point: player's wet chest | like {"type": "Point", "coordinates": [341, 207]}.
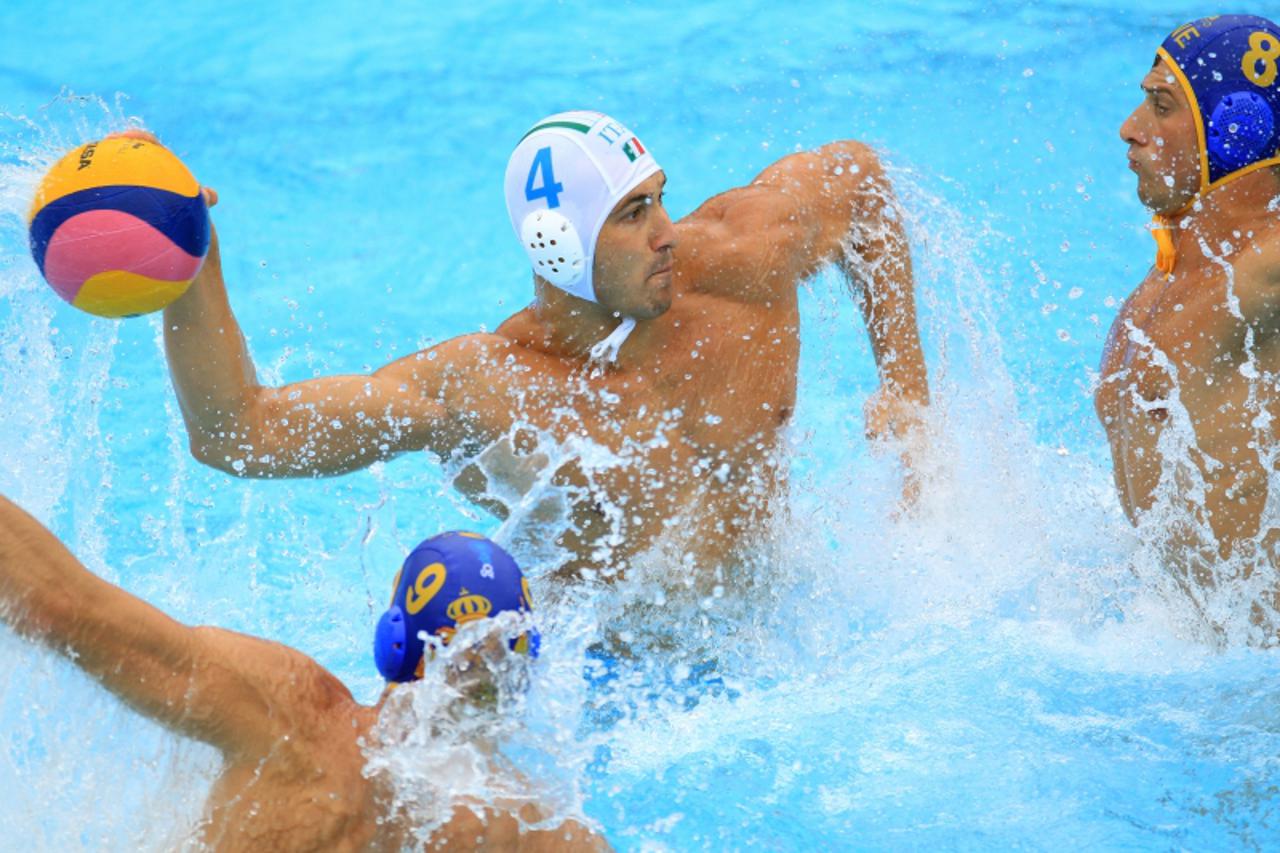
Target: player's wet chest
{"type": "Point", "coordinates": [712, 383]}
{"type": "Point", "coordinates": [731, 377]}
{"type": "Point", "coordinates": [1184, 331]}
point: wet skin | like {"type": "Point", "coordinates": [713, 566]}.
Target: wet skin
{"type": "Point", "coordinates": [690, 414]}
{"type": "Point", "coordinates": [289, 732]}
{"type": "Point", "coordinates": [1207, 334]}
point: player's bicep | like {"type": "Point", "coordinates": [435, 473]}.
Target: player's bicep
{"type": "Point", "coordinates": [751, 243]}
{"type": "Point", "coordinates": [840, 188]}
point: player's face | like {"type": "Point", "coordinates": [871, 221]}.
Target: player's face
{"type": "Point", "coordinates": [633, 261]}
{"type": "Point", "coordinates": [1163, 148]}
{"type": "Point", "coordinates": [473, 672]}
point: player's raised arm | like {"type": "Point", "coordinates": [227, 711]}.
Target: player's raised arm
{"type": "Point", "coordinates": [206, 683]}
{"type": "Point", "coordinates": [843, 187]}
{"type": "Point", "coordinates": [836, 205]}
{"type": "Point", "coordinates": [325, 426]}
{"type": "Point", "coordinates": [322, 426]}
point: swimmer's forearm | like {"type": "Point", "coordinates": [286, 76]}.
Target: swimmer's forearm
{"type": "Point", "coordinates": [889, 312]}
{"type": "Point", "coordinates": [877, 254]}
{"type": "Point", "coordinates": [213, 374]}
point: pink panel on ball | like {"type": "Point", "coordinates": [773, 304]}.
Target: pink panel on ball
{"type": "Point", "coordinates": [104, 240]}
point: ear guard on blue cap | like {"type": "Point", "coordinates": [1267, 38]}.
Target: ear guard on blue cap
{"type": "Point", "coordinates": [1239, 131]}
{"type": "Point", "coordinates": [446, 582]}
{"type": "Point", "coordinates": [389, 646]}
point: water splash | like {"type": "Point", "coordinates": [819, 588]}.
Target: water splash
{"type": "Point", "coordinates": [868, 676]}
{"type": "Point", "coordinates": [460, 737]}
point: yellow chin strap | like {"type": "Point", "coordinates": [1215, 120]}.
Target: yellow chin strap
{"type": "Point", "coordinates": [1166, 254]}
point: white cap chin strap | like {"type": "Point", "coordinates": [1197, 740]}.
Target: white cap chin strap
{"type": "Point", "coordinates": [607, 349]}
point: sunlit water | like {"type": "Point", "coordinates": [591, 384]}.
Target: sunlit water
{"type": "Point", "coordinates": [1005, 667]}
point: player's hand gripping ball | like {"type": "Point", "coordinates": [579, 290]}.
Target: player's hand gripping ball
{"type": "Point", "coordinates": [119, 227]}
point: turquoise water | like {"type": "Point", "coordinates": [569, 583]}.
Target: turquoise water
{"type": "Point", "coordinates": [999, 671]}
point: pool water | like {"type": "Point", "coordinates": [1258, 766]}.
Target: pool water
{"type": "Point", "coordinates": [999, 669]}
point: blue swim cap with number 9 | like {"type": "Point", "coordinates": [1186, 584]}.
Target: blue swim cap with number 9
{"type": "Point", "coordinates": [446, 582]}
{"type": "Point", "coordinates": [564, 177]}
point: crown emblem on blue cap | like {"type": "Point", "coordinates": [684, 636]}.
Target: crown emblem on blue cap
{"type": "Point", "coordinates": [469, 607]}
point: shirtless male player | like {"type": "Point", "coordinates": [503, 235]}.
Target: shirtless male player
{"type": "Point", "coordinates": [672, 347]}
{"type": "Point", "coordinates": [1196, 348]}
{"type": "Point", "coordinates": [294, 773]}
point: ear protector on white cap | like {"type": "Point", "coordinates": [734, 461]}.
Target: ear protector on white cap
{"type": "Point", "coordinates": [553, 246]}
{"type": "Point", "coordinates": [565, 176]}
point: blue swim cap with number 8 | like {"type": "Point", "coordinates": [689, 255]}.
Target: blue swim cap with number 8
{"type": "Point", "coordinates": [1229, 68]}
{"type": "Point", "coordinates": [446, 582]}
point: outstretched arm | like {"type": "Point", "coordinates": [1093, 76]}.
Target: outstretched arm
{"type": "Point", "coordinates": [323, 426]}
{"type": "Point", "coordinates": [217, 686]}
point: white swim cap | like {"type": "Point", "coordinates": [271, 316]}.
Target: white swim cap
{"type": "Point", "coordinates": [563, 179]}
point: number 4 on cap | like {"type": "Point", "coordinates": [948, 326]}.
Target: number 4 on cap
{"type": "Point", "coordinates": [550, 190]}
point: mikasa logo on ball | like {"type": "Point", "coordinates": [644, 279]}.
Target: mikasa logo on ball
{"type": "Point", "coordinates": [86, 156]}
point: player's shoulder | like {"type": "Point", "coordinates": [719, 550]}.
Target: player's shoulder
{"type": "Point", "coordinates": [844, 157]}
{"type": "Point", "coordinates": [795, 186]}
{"type": "Point", "coordinates": [254, 682]}
{"type": "Point", "coordinates": [832, 172]}
{"type": "Point", "coordinates": [479, 346]}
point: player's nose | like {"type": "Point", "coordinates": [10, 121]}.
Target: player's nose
{"type": "Point", "coordinates": [664, 235]}
{"type": "Point", "coordinates": [1131, 130]}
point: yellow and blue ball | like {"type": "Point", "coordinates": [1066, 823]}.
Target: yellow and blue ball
{"type": "Point", "coordinates": [119, 227]}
